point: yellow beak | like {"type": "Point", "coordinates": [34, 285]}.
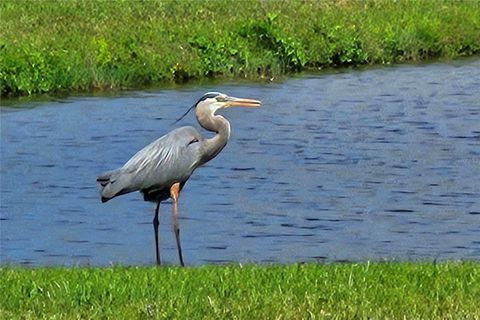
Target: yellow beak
{"type": "Point", "coordinates": [241, 102]}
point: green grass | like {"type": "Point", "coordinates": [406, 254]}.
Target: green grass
{"type": "Point", "coordinates": [447, 290]}
{"type": "Point", "coordinates": [52, 46]}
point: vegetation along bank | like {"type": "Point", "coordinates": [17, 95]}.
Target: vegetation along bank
{"type": "Point", "coordinates": [82, 45]}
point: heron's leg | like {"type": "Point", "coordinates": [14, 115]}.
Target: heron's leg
{"type": "Point", "coordinates": [155, 230]}
{"type": "Point", "coordinates": [174, 192]}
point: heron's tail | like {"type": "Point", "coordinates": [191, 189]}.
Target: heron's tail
{"type": "Point", "coordinates": [113, 183]}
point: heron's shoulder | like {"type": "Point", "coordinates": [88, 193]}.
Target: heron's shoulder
{"type": "Point", "coordinates": [183, 135]}
{"type": "Point", "coordinates": [183, 130]}
{"type": "Point", "coordinates": [164, 148]}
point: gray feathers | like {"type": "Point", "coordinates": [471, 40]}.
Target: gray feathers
{"type": "Point", "coordinates": [172, 158]}
{"type": "Point", "coordinates": [169, 159]}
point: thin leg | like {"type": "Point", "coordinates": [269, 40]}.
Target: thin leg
{"type": "Point", "coordinates": [155, 230]}
{"type": "Point", "coordinates": [174, 192]}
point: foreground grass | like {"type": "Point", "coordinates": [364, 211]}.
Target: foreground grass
{"type": "Point", "coordinates": [60, 45]}
{"type": "Point", "coordinates": [332, 291]}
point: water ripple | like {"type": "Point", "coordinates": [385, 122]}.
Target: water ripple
{"type": "Point", "coordinates": [330, 168]}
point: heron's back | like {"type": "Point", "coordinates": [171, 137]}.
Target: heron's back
{"type": "Point", "coordinates": [169, 159]}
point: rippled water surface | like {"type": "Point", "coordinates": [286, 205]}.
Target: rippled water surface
{"type": "Point", "coordinates": [375, 164]}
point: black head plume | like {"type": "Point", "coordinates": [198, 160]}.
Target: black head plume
{"type": "Point", "coordinates": [207, 95]}
{"type": "Point", "coordinates": [183, 116]}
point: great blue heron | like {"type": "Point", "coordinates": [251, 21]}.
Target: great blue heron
{"type": "Point", "coordinates": [159, 171]}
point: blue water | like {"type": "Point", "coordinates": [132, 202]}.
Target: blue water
{"type": "Point", "coordinates": [355, 165]}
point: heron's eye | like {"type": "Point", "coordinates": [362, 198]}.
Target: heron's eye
{"type": "Point", "coordinates": [221, 99]}
{"type": "Point", "coordinates": [193, 140]}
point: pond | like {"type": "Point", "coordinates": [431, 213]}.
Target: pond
{"type": "Point", "coordinates": [348, 165]}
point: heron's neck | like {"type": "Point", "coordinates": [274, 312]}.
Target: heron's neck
{"type": "Point", "coordinates": [214, 123]}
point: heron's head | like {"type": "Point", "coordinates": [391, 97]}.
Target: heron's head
{"type": "Point", "coordinates": [212, 101]}
{"type": "Point", "coordinates": [216, 100]}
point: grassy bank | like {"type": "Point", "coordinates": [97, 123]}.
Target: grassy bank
{"type": "Point", "coordinates": [332, 291]}
{"type": "Point", "coordinates": [48, 46]}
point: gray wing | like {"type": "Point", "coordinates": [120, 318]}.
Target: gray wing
{"type": "Point", "coordinates": [169, 159]}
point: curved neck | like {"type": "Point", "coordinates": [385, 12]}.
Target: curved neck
{"type": "Point", "coordinates": [215, 123]}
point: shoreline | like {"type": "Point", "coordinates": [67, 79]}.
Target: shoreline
{"type": "Point", "coordinates": [84, 46]}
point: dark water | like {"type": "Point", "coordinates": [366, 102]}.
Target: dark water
{"type": "Point", "coordinates": [376, 164]}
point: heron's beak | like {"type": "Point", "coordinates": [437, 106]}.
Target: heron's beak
{"type": "Point", "coordinates": [241, 102]}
